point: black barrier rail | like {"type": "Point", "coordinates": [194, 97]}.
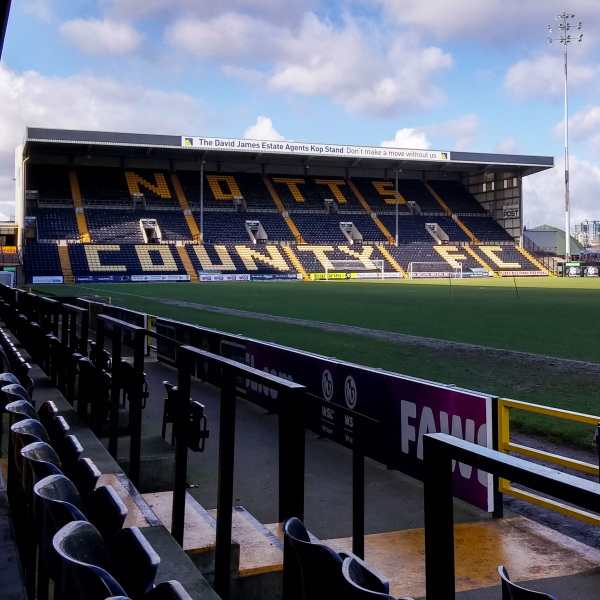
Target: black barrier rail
{"type": "Point", "coordinates": [291, 450]}
{"type": "Point", "coordinates": [137, 341]}
{"type": "Point", "coordinates": [291, 405]}
{"type": "Point", "coordinates": [439, 450]}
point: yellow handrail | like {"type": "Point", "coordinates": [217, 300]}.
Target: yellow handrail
{"type": "Point", "coordinates": [505, 446]}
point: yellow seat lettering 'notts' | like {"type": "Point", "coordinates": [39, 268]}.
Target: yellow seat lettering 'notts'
{"type": "Point", "coordinates": [389, 194]}
{"type": "Point", "coordinates": [215, 185]}
{"type": "Point", "coordinates": [92, 254]}
{"type": "Point", "coordinates": [319, 252]}
{"type": "Point", "coordinates": [160, 189]}
{"type": "Point", "coordinates": [293, 185]}
{"type": "Point", "coordinates": [334, 186]}
{"type": "Point", "coordinates": [490, 252]}
{"type": "Point", "coordinates": [274, 259]}
{"type": "Point", "coordinates": [145, 256]}
{"type": "Point", "coordinates": [446, 252]}
{"type": "Point", "coordinates": [207, 263]}
{"type": "Point", "coordinates": [363, 256]}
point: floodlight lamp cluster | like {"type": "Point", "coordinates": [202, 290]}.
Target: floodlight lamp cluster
{"type": "Point", "coordinates": [564, 28]}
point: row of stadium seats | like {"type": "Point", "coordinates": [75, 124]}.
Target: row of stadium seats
{"type": "Point", "coordinates": [142, 259]}
{"type": "Point", "coordinates": [123, 226]}
{"type": "Point", "coordinates": [298, 194]}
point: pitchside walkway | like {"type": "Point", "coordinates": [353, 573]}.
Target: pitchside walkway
{"type": "Point", "coordinates": [394, 517]}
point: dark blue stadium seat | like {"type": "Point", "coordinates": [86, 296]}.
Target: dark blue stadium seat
{"type": "Point", "coordinates": [456, 197]}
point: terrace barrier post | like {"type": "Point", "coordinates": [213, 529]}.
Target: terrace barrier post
{"type": "Point", "coordinates": [225, 484]}
{"type": "Point", "coordinates": [115, 391]}
{"type": "Point", "coordinates": [180, 425]}
{"type": "Point", "coordinates": [96, 392]}
{"type": "Point", "coordinates": [135, 406]}
{"type": "Point", "coordinates": [291, 454]}
{"type": "Point", "coordinates": [439, 523]}
{"type": "Point", "coordinates": [498, 512]}
{"type": "Point", "coordinates": [358, 490]}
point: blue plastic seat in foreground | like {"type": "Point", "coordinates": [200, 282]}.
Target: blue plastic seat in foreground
{"type": "Point", "coordinates": [47, 412]}
{"type": "Point", "coordinates": [320, 566]}
{"type": "Point", "coordinates": [362, 582]}
{"type": "Point", "coordinates": [136, 562]}
{"type": "Point", "coordinates": [106, 511]}
{"type": "Point", "coordinates": [39, 461]}
{"type": "Point", "coordinates": [83, 552]}
{"type": "Point", "coordinates": [168, 590]}
{"type": "Point", "coordinates": [14, 391]}
{"type": "Point", "coordinates": [62, 505]}
{"type": "Point", "coordinates": [26, 432]}
{"type": "Point", "coordinates": [84, 474]}
{"type": "Point", "coordinates": [511, 591]}
{"type": "Point", "coordinates": [21, 409]}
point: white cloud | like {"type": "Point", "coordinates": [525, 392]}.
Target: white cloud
{"type": "Point", "coordinates": [544, 194]}
{"type": "Point", "coordinates": [409, 137]}
{"type": "Point", "coordinates": [487, 21]}
{"type": "Point", "coordinates": [39, 8]}
{"type": "Point", "coordinates": [263, 130]}
{"type": "Point", "coordinates": [348, 64]}
{"type": "Point", "coordinates": [84, 102]}
{"type": "Point", "coordinates": [229, 36]}
{"type": "Point", "coordinates": [100, 38]}
{"type": "Point", "coordinates": [584, 126]}
{"type": "Point", "coordinates": [463, 131]}
{"type": "Point", "coordinates": [272, 10]}
{"type": "Point", "coordinates": [507, 146]}
{"type": "Point", "coordinates": [543, 78]}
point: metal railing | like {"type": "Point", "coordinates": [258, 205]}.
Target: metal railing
{"type": "Point", "coordinates": [505, 446]}
{"type": "Point", "coordinates": [439, 451]}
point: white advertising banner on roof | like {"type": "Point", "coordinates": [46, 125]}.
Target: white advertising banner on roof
{"type": "Point", "coordinates": [264, 146]}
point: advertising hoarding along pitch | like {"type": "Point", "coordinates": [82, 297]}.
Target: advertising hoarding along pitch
{"type": "Point", "coordinates": [306, 149]}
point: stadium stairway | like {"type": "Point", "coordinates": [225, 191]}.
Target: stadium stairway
{"type": "Point", "coordinates": [366, 206]}
{"type": "Point", "coordinates": [65, 264]}
{"type": "Point", "coordinates": [391, 260]}
{"type": "Point", "coordinates": [299, 239]}
{"type": "Point", "coordinates": [478, 258]}
{"type": "Point", "coordinates": [185, 207]}
{"type": "Point", "coordinates": [257, 553]}
{"type": "Point", "coordinates": [538, 264]}
{"type": "Point", "coordinates": [187, 264]}
{"type": "Point", "coordinates": [473, 239]}
{"type": "Point", "coordinates": [84, 234]}
{"type": "Point", "coordinates": [296, 263]}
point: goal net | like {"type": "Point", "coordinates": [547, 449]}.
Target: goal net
{"type": "Point", "coordinates": [354, 269]}
{"type": "Point", "coordinates": [434, 270]}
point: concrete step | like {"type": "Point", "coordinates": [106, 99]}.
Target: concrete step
{"type": "Point", "coordinates": [257, 552]}
{"type": "Point", "coordinates": [261, 551]}
{"type": "Point", "coordinates": [199, 534]}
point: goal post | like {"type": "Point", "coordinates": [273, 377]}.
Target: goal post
{"type": "Point", "coordinates": [434, 270]}
{"type": "Point", "coordinates": [363, 269]}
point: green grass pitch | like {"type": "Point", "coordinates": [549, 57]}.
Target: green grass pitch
{"type": "Point", "coordinates": [554, 317]}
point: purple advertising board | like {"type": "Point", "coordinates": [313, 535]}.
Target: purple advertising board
{"type": "Point", "coordinates": [400, 411]}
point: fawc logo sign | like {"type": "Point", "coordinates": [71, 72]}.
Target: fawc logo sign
{"type": "Point", "coordinates": [327, 384]}
{"type": "Point", "coordinates": [350, 392]}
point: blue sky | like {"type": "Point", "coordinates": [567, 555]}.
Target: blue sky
{"type": "Point", "coordinates": [469, 75]}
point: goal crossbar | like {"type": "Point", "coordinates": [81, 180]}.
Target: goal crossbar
{"type": "Point", "coordinates": [434, 270]}
{"type": "Point", "coordinates": [352, 266]}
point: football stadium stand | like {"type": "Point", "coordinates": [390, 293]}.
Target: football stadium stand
{"type": "Point", "coordinates": [137, 218]}
{"type": "Point", "coordinates": [117, 217]}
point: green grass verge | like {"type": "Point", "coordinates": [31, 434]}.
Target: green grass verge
{"type": "Point", "coordinates": [539, 385]}
{"type": "Point", "coordinates": [551, 316]}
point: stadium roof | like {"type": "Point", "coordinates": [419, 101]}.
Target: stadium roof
{"type": "Point", "coordinates": [194, 148]}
